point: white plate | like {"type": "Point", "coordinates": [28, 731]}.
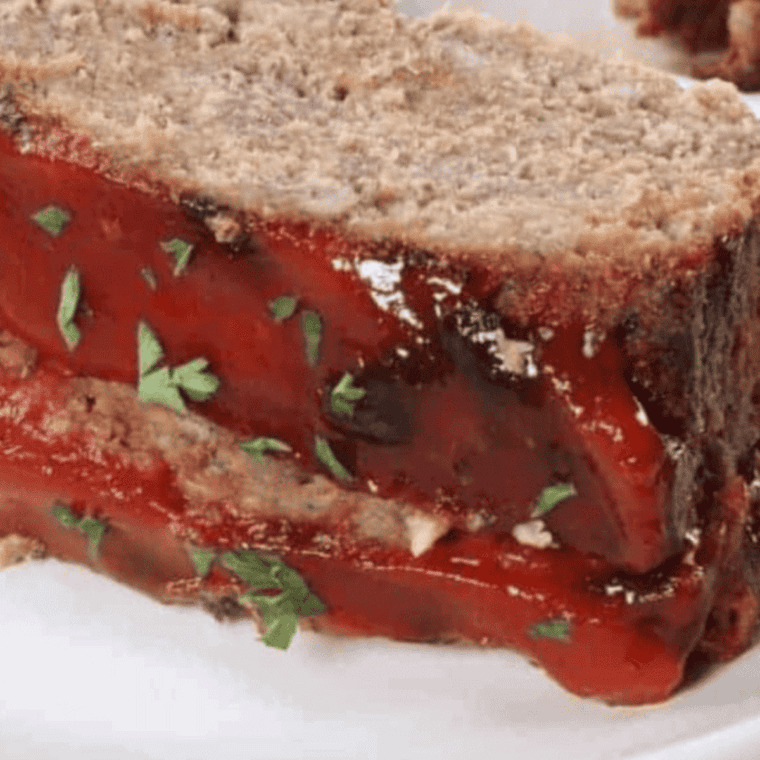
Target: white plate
{"type": "Point", "coordinates": [92, 670]}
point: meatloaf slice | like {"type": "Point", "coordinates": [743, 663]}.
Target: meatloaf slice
{"type": "Point", "coordinates": [431, 329]}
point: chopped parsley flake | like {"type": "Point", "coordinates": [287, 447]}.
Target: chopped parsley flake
{"type": "Point", "coordinates": [326, 456]}
{"type": "Point", "coordinates": [202, 559]}
{"type": "Point", "coordinates": [181, 251]}
{"type": "Point", "coordinates": [552, 496]}
{"type": "Point", "coordinates": [257, 446]}
{"type": "Point", "coordinates": [92, 528]}
{"type": "Point", "coordinates": [345, 395]}
{"type": "Point", "coordinates": [67, 307]}
{"type": "Point", "coordinates": [65, 516]}
{"type": "Point", "coordinates": [280, 613]}
{"type": "Point", "coordinates": [194, 380]}
{"type": "Point", "coordinates": [283, 307]}
{"type": "Point", "coordinates": [162, 385]}
{"type": "Point", "coordinates": [312, 330]}
{"type": "Point", "coordinates": [551, 629]}
{"type": "Point", "coordinates": [149, 350]}
{"type": "Point", "coordinates": [157, 386]}
{"type": "Point", "coordinates": [53, 219]}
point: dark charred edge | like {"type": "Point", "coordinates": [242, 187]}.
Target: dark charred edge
{"type": "Point", "coordinates": [12, 120]}
{"type": "Point", "coordinates": [199, 207]}
{"type": "Point", "coordinates": [724, 429]}
{"type": "Point", "coordinates": [721, 429]}
{"type": "Point", "coordinates": [10, 116]}
{"type": "Point", "coordinates": [724, 329]}
{"type": "Point", "coordinates": [706, 361]}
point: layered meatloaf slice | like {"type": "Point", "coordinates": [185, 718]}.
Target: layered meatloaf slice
{"type": "Point", "coordinates": [430, 329]}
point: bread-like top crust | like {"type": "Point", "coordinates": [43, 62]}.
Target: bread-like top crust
{"type": "Point", "coordinates": [453, 132]}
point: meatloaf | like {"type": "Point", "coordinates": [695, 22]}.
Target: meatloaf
{"type": "Point", "coordinates": [433, 329]}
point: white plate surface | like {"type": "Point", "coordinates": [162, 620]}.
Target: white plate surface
{"type": "Point", "coordinates": [92, 670]}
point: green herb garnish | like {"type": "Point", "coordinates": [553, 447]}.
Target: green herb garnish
{"type": "Point", "coordinates": [326, 456]}
{"type": "Point", "coordinates": [65, 516]}
{"type": "Point", "coordinates": [551, 496]}
{"type": "Point", "coordinates": [551, 629]}
{"type": "Point", "coordinates": [345, 395]}
{"type": "Point", "coordinates": [92, 528]}
{"type": "Point", "coordinates": [181, 251]}
{"type": "Point", "coordinates": [67, 308]}
{"type": "Point", "coordinates": [280, 613]}
{"type": "Point", "coordinates": [202, 559]}
{"type": "Point", "coordinates": [283, 307]}
{"type": "Point", "coordinates": [162, 385]}
{"type": "Point", "coordinates": [257, 446]}
{"type": "Point", "coordinates": [194, 380]}
{"type": "Point", "coordinates": [149, 351]}
{"type": "Point", "coordinates": [53, 219]}
{"type": "Point", "coordinates": [312, 330]}
{"type": "Point", "coordinates": [157, 386]}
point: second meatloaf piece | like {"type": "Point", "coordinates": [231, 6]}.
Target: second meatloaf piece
{"type": "Point", "coordinates": [730, 26]}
